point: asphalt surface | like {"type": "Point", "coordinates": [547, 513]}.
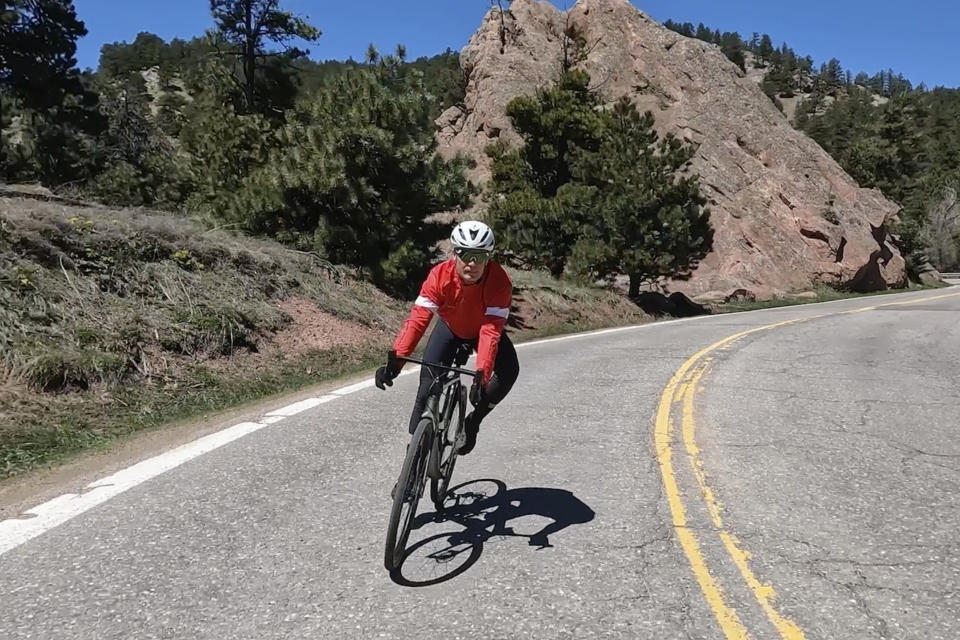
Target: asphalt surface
{"type": "Point", "coordinates": [829, 446]}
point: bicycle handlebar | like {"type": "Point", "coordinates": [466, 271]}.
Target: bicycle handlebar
{"type": "Point", "coordinates": [477, 374]}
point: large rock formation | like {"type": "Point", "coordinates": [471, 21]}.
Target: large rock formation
{"type": "Point", "coordinates": [785, 214]}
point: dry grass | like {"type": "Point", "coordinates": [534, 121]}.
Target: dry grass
{"type": "Point", "coordinates": [115, 320]}
{"type": "Point", "coordinates": [544, 306]}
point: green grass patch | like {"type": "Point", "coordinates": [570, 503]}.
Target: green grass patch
{"type": "Point", "coordinates": [60, 425]}
{"type": "Point", "coordinates": [56, 369]}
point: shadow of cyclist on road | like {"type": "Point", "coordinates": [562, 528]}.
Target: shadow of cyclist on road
{"type": "Point", "coordinates": [484, 515]}
{"type": "Point", "coordinates": [493, 514]}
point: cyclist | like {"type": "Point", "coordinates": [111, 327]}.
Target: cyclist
{"type": "Point", "coordinates": [471, 294]}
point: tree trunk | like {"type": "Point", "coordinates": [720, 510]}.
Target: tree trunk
{"type": "Point", "coordinates": [249, 55]}
{"type": "Point", "coordinates": [556, 268]}
{"type": "Point", "coordinates": [634, 290]}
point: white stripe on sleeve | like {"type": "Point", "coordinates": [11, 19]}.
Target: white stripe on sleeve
{"type": "Point", "coordinates": [498, 311]}
{"type": "Point", "coordinates": [423, 301]}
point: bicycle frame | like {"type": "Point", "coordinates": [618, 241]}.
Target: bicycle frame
{"type": "Point", "coordinates": [444, 379]}
{"type": "Point", "coordinates": [446, 384]}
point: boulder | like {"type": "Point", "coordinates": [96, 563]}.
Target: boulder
{"type": "Point", "coordinates": [676, 304]}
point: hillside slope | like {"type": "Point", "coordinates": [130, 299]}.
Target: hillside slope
{"type": "Point", "coordinates": [114, 320]}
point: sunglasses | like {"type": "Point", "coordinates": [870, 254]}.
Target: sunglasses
{"type": "Point", "coordinates": [472, 256]}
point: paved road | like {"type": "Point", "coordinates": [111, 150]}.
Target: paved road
{"type": "Point", "coordinates": [799, 481]}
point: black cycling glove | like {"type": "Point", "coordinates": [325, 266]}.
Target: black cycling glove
{"type": "Point", "coordinates": [384, 376]}
{"type": "Point", "coordinates": [477, 392]}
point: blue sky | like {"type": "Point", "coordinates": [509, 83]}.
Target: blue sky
{"type": "Point", "coordinates": [916, 39]}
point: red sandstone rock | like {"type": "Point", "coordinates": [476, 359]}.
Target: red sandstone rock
{"type": "Point", "coordinates": [785, 214]}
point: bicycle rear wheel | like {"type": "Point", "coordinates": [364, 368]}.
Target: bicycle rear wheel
{"type": "Point", "coordinates": [448, 444]}
{"type": "Point", "coordinates": [410, 487]}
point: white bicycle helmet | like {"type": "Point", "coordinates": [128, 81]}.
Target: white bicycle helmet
{"type": "Point", "coordinates": [472, 234]}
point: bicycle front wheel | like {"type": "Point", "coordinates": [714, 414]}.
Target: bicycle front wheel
{"type": "Point", "coordinates": [410, 487]}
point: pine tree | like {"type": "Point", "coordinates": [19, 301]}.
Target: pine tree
{"type": "Point", "coordinates": [37, 47]}
{"type": "Point", "coordinates": [57, 109]}
{"type": "Point", "coordinates": [537, 211]}
{"type": "Point", "coordinates": [645, 222]}
{"type": "Point", "coordinates": [247, 25]}
{"type": "Point", "coordinates": [832, 75]}
{"type": "Point", "coordinates": [703, 33]}
{"type": "Point", "coordinates": [733, 47]}
{"type": "Point", "coordinates": [141, 165]}
{"type": "Point", "coordinates": [686, 29]}
{"type": "Point", "coordinates": [354, 177]}
{"type": "Point", "coordinates": [224, 144]}
{"type": "Point", "coordinates": [610, 203]}
{"type": "Point", "coordinates": [765, 49]}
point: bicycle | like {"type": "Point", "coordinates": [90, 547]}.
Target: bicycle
{"type": "Point", "coordinates": [432, 450]}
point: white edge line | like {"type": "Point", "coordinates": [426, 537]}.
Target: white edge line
{"type": "Point", "coordinates": [300, 407]}
{"type": "Point", "coordinates": [658, 323]}
{"type": "Point", "coordinates": [16, 531]}
{"type": "Point", "coordinates": [342, 391]}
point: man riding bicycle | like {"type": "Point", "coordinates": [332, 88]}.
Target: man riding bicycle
{"type": "Point", "coordinates": [471, 294]}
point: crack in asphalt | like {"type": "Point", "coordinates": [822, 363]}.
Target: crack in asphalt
{"type": "Point", "coordinates": [686, 617]}
{"type": "Point", "coordinates": [861, 587]}
{"type": "Point", "coordinates": [916, 454]}
{"type": "Point", "coordinates": [947, 550]}
{"type": "Point", "coordinates": [860, 563]}
{"type": "Point", "coordinates": [757, 445]}
{"type": "Point", "coordinates": [795, 395]}
{"type": "Point", "coordinates": [893, 443]}
{"type": "Point", "coordinates": [879, 623]}
{"type": "Point", "coordinates": [905, 461]}
{"type": "Point", "coordinates": [857, 589]}
{"type": "Point", "coordinates": [666, 536]}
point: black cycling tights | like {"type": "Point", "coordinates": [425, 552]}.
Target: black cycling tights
{"type": "Point", "coordinates": [442, 348]}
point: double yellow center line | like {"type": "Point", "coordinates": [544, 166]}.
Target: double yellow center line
{"type": "Point", "coordinates": [680, 392]}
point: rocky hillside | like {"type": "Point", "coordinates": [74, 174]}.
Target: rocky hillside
{"type": "Point", "coordinates": [786, 215]}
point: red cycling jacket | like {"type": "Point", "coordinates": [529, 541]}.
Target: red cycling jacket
{"type": "Point", "coordinates": [471, 311]}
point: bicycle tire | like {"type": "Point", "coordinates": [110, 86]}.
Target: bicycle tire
{"type": "Point", "coordinates": [453, 419]}
{"type": "Point", "coordinates": [412, 476]}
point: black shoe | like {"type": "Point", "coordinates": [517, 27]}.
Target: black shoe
{"type": "Point", "coordinates": [471, 427]}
